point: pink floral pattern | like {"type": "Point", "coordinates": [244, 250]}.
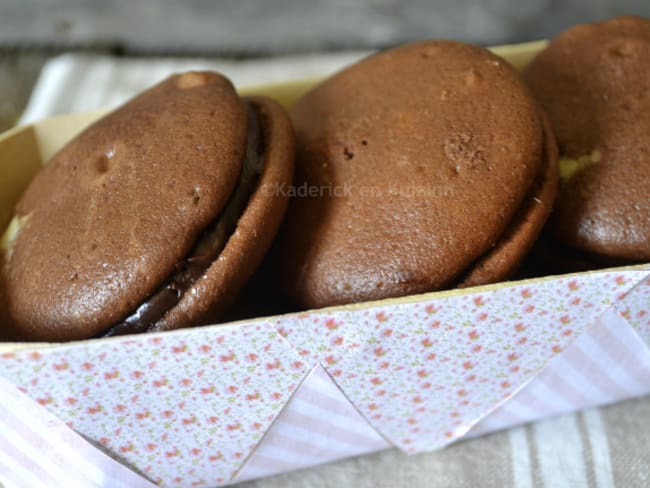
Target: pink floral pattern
{"type": "Point", "coordinates": [185, 408]}
{"type": "Point", "coordinates": [635, 308]}
{"type": "Point", "coordinates": [423, 373]}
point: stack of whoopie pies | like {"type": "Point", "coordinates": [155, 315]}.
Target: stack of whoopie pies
{"type": "Point", "coordinates": [427, 166]}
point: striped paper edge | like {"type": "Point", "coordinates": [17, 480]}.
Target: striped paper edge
{"type": "Point", "coordinates": [608, 363]}
{"type": "Point", "coordinates": [319, 425]}
{"type": "Point", "coordinates": [39, 450]}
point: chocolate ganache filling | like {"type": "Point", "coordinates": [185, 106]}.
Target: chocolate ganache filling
{"type": "Point", "coordinates": [208, 246]}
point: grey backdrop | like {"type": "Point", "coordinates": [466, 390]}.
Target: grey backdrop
{"type": "Point", "coordinates": [263, 26]}
{"type": "Point", "coordinates": [33, 30]}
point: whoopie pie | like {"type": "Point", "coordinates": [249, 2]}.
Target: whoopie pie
{"type": "Point", "coordinates": [151, 219]}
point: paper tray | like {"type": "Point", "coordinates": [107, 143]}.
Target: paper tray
{"type": "Point", "coordinates": [219, 404]}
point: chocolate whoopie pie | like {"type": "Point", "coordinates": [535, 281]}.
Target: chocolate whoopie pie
{"type": "Point", "coordinates": [152, 219]}
{"type": "Point", "coordinates": [422, 167]}
{"type": "Point", "coordinates": [594, 82]}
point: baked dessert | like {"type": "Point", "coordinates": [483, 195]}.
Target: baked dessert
{"type": "Point", "coordinates": [426, 166]}
{"type": "Point", "coordinates": [594, 82]}
{"type": "Point", "coordinates": [152, 219]}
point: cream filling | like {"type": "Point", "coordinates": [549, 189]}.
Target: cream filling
{"type": "Point", "coordinates": [569, 167]}
{"type": "Point", "coordinates": [11, 233]}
